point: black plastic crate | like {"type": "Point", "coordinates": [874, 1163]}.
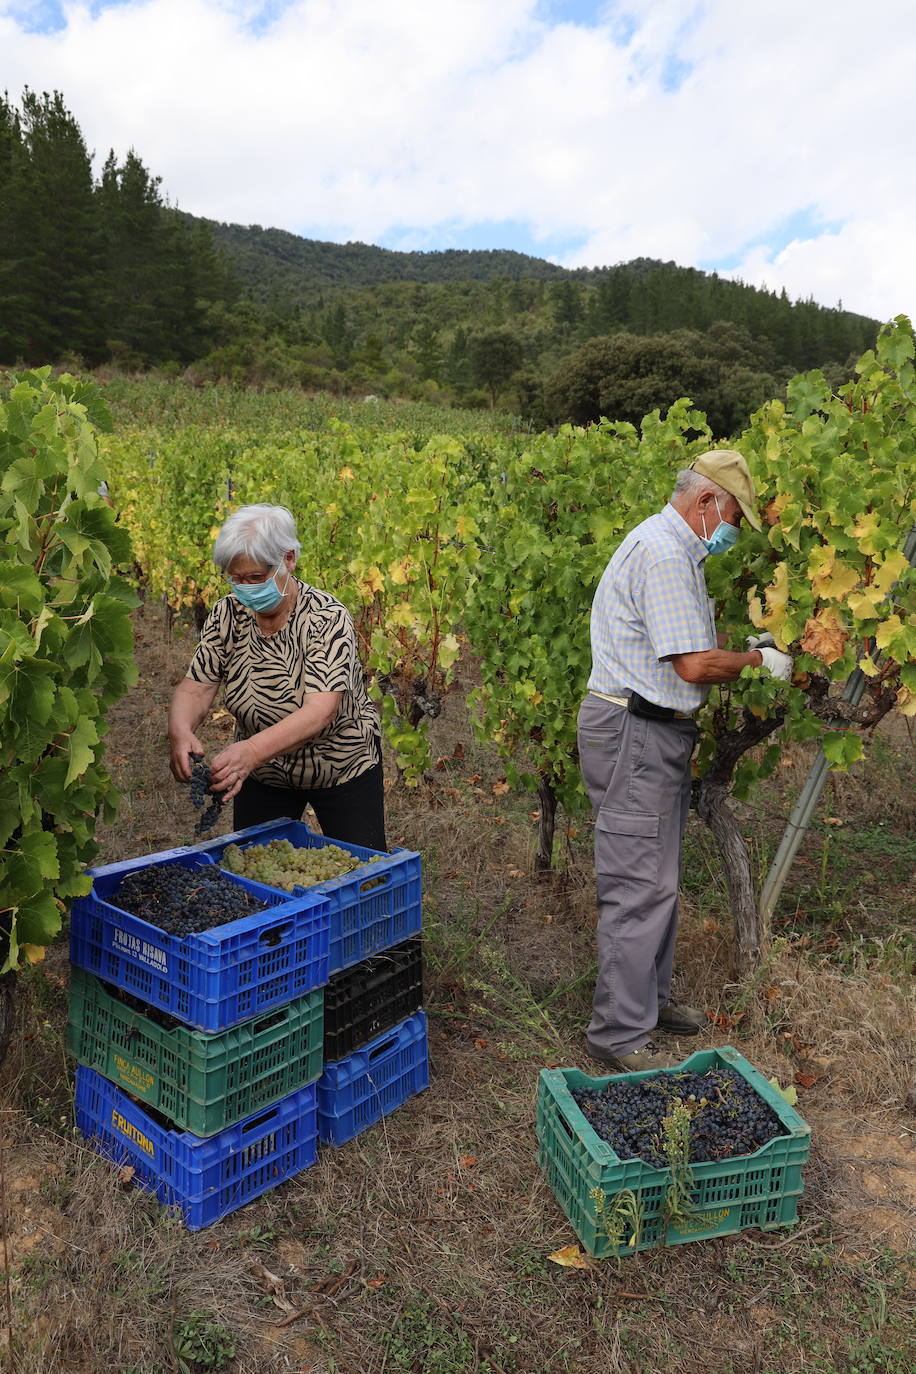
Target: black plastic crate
{"type": "Point", "coordinates": [362, 1001]}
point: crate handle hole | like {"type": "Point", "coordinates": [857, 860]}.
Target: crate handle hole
{"type": "Point", "coordinates": [259, 1121]}
{"type": "Point", "coordinates": [565, 1124]}
{"type": "Point", "coordinates": [382, 1049]}
{"type": "Point", "coordinates": [276, 935]}
{"type": "Point", "coordinates": [276, 1018]}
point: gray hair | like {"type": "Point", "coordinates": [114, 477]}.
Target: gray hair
{"type": "Point", "coordinates": [265, 534]}
{"type": "Point", "coordinates": [688, 482]}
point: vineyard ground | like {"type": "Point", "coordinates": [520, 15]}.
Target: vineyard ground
{"type": "Point", "coordinates": [422, 1246]}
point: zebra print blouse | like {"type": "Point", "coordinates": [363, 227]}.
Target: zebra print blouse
{"type": "Point", "coordinates": [267, 677]}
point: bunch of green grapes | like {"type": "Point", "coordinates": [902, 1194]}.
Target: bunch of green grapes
{"type": "Point", "coordinates": [281, 864]}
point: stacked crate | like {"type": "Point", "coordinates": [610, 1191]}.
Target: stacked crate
{"type": "Point", "coordinates": [201, 1060]}
{"type": "Point", "coordinates": [375, 1036]}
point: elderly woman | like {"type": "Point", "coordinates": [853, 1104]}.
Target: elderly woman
{"type": "Point", "coordinates": [285, 653]}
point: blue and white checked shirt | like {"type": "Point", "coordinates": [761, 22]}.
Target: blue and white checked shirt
{"type": "Point", "coordinates": [652, 602]}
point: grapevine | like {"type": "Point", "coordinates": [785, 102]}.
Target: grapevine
{"type": "Point", "coordinates": [65, 650]}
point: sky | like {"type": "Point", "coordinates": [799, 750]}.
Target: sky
{"type": "Point", "coordinates": [770, 140]}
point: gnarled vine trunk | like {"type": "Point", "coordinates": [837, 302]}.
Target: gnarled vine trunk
{"type": "Point", "coordinates": [547, 820]}
{"type": "Point", "coordinates": [713, 808]}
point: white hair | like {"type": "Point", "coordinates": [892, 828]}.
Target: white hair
{"type": "Point", "coordinates": [265, 534]}
{"type": "Point", "coordinates": [689, 482]}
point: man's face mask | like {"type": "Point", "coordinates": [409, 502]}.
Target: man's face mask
{"type": "Point", "coordinates": [722, 537]}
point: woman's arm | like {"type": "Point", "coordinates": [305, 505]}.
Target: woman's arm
{"type": "Point", "coordinates": [190, 704]}
{"type": "Point", "coordinates": [231, 766]}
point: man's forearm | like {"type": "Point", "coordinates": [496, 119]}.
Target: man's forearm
{"type": "Point", "coordinates": [710, 666]}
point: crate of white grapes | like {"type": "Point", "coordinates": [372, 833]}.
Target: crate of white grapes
{"type": "Point", "coordinates": [376, 899]}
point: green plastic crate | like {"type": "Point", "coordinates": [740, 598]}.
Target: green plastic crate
{"type": "Point", "coordinates": [202, 1083]}
{"type": "Point", "coordinates": [730, 1195]}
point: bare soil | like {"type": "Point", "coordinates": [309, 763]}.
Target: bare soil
{"type": "Point", "coordinates": [423, 1245]}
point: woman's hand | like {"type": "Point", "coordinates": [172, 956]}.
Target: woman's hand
{"type": "Point", "coordinates": [231, 767]}
{"type": "Point", "coordinates": [181, 746]}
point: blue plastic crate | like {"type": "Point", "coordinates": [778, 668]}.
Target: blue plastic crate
{"type": "Point", "coordinates": [205, 1178]}
{"type": "Point", "coordinates": [213, 980]}
{"type": "Point", "coordinates": [369, 911]}
{"type": "Point", "coordinates": [357, 1091]}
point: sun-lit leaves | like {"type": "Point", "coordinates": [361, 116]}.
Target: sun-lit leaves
{"type": "Point", "coordinates": [65, 650]}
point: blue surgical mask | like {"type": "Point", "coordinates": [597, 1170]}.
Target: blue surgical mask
{"type": "Point", "coordinates": [722, 537]}
{"type": "Point", "coordinates": [262, 597]}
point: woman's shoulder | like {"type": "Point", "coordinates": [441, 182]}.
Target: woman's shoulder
{"type": "Point", "coordinates": [321, 603]}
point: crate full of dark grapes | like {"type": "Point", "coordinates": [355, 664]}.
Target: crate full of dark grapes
{"type": "Point", "coordinates": [202, 1083]}
{"type": "Point", "coordinates": [204, 1178]}
{"type": "Point", "coordinates": [371, 1082]}
{"type": "Point", "coordinates": [209, 948]}
{"type": "Point", "coordinates": [706, 1149]}
{"type": "Point", "coordinates": [376, 904]}
{"type": "Point", "coordinates": [371, 997]}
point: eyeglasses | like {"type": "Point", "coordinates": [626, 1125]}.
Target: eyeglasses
{"type": "Point", "coordinates": [250, 579]}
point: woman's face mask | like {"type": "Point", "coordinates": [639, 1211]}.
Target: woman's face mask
{"type": "Point", "coordinates": [722, 537]}
{"type": "Point", "coordinates": [263, 597]}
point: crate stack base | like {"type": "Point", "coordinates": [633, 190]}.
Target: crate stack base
{"type": "Point", "coordinates": [730, 1195]}
{"type": "Point", "coordinates": [202, 1059]}
{"type": "Point", "coordinates": [205, 1178]}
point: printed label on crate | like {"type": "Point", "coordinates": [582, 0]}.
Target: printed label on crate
{"type": "Point", "coordinates": [128, 1129]}
{"type": "Point", "coordinates": [136, 948]}
{"type": "Point", "coordinates": [133, 1075]}
{"type": "Point", "coordinates": [701, 1221]}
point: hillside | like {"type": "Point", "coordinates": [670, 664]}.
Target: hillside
{"type": "Point", "coordinates": [273, 260]}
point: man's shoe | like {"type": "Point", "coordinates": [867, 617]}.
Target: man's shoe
{"type": "Point", "coordinates": [648, 1057]}
{"type": "Point", "coordinates": [677, 1019]}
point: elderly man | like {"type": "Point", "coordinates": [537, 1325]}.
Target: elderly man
{"type": "Point", "coordinates": [655, 654]}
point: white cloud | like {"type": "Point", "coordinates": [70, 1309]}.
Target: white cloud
{"type": "Point", "coordinates": [357, 119]}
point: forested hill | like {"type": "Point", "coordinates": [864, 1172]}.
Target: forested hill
{"type": "Point", "coordinates": [272, 260]}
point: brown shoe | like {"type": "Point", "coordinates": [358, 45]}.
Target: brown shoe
{"type": "Point", "coordinates": [677, 1019]}
{"type": "Point", "coordinates": [648, 1057]}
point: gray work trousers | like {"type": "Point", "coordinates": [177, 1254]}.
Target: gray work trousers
{"type": "Point", "coordinates": [637, 775]}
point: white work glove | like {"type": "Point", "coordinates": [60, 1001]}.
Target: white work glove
{"type": "Point", "coordinates": [764, 641]}
{"type": "Point", "coordinates": [775, 662]}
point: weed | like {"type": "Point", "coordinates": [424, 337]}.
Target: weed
{"type": "Point", "coordinates": [201, 1344]}
{"type": "Point", "coordinates": [622, 1223]}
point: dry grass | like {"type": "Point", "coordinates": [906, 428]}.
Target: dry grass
{"type": "Point", "coordinates": [421, 1246]}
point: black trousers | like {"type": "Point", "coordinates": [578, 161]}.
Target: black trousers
{"type": "Point", "coordinates": [353, 811]}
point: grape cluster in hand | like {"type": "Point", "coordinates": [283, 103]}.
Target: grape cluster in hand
{"type": "Point", "coordinates": [199, 788]}
{"type": "Point", "coordinates": [727, 1117]}
{"type": "Point", "coordinates": [184, 901]}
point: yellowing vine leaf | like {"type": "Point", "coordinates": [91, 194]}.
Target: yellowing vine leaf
{"type": "Point", "coordinates": [571, 1257]}
{"type": "Point", "coordinates": [824, 636]}
{"type": "Point", "coordinates": [831, 578]}
{"type": "Point", "coordinates": [864, 605]}
{"type": "Point", "coordinates": [864, 530]}
{"type": "Point", "coordinates": [777, 599]}
{"type": "Point", "coordinates": [868, 666]}
{"type": "Point", "coordinates": [889, 570]}
{"type": "Point", "coordinates": [906, 700]}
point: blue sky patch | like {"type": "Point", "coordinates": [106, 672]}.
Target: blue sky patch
{"type": "Point", "coordinates": [806, 223]}
{"type": "Point", "coordinates": [511, 234]}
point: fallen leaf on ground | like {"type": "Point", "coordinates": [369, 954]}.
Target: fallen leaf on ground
{"type": "Point", "coordinates": [806, 1080]}
{"type": "Point", "coordinates": [467, 1161]}
{"type": "Point", "coordinates": [126, 1174]}
{"type": "Point", "coordinates": [500, 789]}
{"type": "Point", "coordinates": [571, 1257]}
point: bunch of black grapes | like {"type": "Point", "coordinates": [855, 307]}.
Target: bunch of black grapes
{"type": "Point", "coordinates": [727, 1117]}
{"type": "Point", "coordinates": [199, 788]}
{"type": "Point", "coordinates": [184, 901]}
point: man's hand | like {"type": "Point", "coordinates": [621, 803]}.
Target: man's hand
{"type": "Point", "coordinates": [764, 641]}
{"type": "Point", "coordinates": [775, 662]}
